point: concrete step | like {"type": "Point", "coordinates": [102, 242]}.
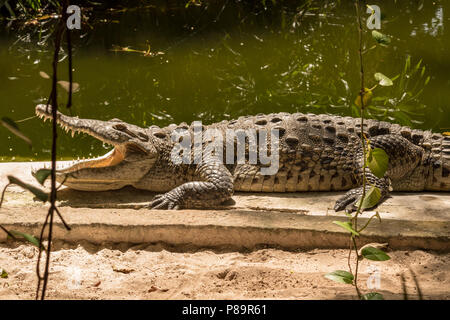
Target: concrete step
{"type": "Point", "coordinates": [251, 220]}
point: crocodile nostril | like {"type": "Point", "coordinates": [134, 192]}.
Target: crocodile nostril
{"type": "Point", "coordinates": [159, 134]}
{"type": "Point", "coordinates": [120, 127]}
{"type": "Point", "coordinates": [142, 137]}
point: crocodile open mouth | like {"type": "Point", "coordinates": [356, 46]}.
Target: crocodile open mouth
{"type": "Point", "coordinates": [112, 158]}
{"type": "Point", "coordinates": [74, 125]}
{"type": "Point", "coordinates": [126, 163]}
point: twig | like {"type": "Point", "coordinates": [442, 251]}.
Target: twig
{"type": "Point", "coordinates": [349, 255]}
{"type": "Point", "coordinates": [69, 49]}
{"type": "Point", "coordinates": [52, 100]}
{"type": "Point", "coordinates": [1, 202]}
{"type": "Point", "coordinates": [361, 94]}
{"type": "Point", "coordinates": [356, 267]}
{"type": "Point", "coordinates": [7, 232]}
{"type": "Point", "coordinates": [26, 119]}
{"type": "Point", "coordinates": [3, 193]}
{"type": "Point", "coordinates": [68, 228]}
{"type": "Point", "coordinates": [368, 222]}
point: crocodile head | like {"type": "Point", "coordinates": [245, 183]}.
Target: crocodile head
{"type": "Point", "coordinates": [131, 158]}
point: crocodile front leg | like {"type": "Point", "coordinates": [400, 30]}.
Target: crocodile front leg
{"type": "Point", "coordinates": [349, 201]}
{"type": "Point", "coordinates": [404, 157]}
{"type": "Point", "coordinates": [214, 186]}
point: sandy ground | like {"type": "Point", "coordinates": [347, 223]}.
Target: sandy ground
{"type": "Point", "coordinates": [158, 272]}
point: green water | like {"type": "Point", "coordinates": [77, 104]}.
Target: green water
{"type": "Point", "coordinates": [224, 60]}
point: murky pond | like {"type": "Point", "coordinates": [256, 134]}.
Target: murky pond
{"type": "Point", "coordinates": [218, 61]}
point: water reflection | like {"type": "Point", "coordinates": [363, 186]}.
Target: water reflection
{"type": "Point", "coordinates": [225, 59]}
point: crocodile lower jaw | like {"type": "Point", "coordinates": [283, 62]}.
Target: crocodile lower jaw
{"type": "Point", "coordinates": [112, 158]}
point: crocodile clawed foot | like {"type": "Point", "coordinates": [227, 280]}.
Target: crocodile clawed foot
{"type": "Point", "coordinates": [349, 200]}
{"type": "Point", "coordinates": [164, 201]}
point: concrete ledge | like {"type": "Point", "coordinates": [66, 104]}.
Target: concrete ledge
{"type": "Point", "coordinates": [291, 221]}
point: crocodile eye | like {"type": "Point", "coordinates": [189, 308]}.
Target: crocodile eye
{"type": "Point", "coordinates": [120, 127]}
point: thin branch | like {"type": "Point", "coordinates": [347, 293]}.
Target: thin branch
{"type": "Point", "coordinates": [367, 223]}
{"type": "Point", "coordinates": [26, 119]}
{"type": "Point", "coordinates": [3, 193]}
{"type": "Point", "coordinates": [52, 100]}
{"type": "Point", "coordinates": [350, 255]}
{"type": "Point", "coordinates": [68, 228]}
{"type": "Point", "coordinates": [62, 183]}
{"type": "Point", "coordinates": [362, 92]}
{"type": "Point", "coordinates": [356, 267]}
{"type": "Point", "coordinates": [69, 49]}
{"type": "Point", "coordinates": [7, 232]}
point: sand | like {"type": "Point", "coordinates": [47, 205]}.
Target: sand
{"type": "Point", "coordinates": [87, 271]}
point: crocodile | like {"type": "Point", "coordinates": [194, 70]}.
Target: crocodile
{"type": "Point", "coordinates": [315, 153]}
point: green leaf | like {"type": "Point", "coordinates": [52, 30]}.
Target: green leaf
{"type": "Point", "coordinates": [374, 254]}
{"type": "Point", "coordinates": [378, 161]}
{"type": "Point", "coordinates": [383, 80]}
{"type": "Point", "coordinates": [14, 128]}
{"type": "Point", "coordinates": [340, 276]}
{"type": "Point", "coordinates": [26, 236]}
{"type": "Point", "coordinates": [407, 64]}
{"type": "Point", "coordinates": [347, 226]}
{"type": "Point", "coordinates": [381, 38]}
{"type": "Point", "coordinates": [371, 198]}
{"type": "Point", "coordinates": [418, 65]}
{"type": "Point", "coordinates": [41, 195]}
{"type": "Point", "coordinates": [422, 72]}
{"type": "Point", "coordinates": [372, 296]}
{"type": "Point", "coordinates": [3, 274]}
{"type": "Point", "coordinates": [41, 175]}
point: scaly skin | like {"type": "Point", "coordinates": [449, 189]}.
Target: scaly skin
{"type": "Point", "coordinates": [316, 153]}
